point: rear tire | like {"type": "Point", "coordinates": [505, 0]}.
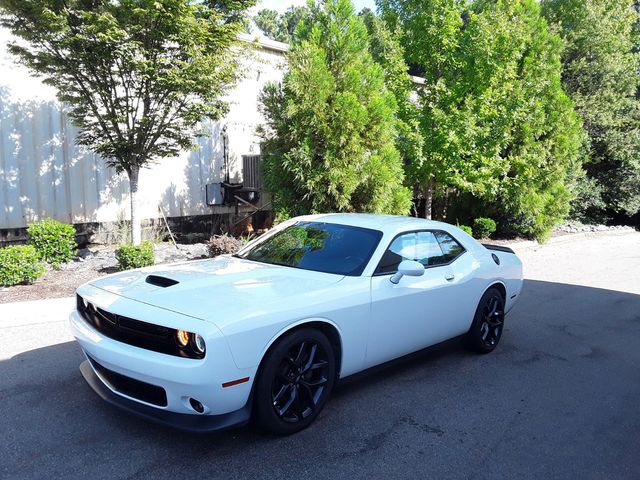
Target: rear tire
{"type": "Point", "coordinates": [295, 381]}
{"type": "Point", "coordinates": [488, 322]}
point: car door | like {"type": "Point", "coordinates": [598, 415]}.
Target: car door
{"type": "Point", "coordinates": [418, 311]}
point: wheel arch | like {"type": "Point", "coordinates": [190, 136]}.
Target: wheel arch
{"type": "Point", "coordinates": [500, 286]}
{"type": "Point", "coordinates": [327, 327]}
{"type": "Point", "coordinates": [257, 400]}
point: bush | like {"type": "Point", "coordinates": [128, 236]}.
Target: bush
{"type": "Point", "coordinates": [222, 244]}
{"type": "Point", "coordinates": [20, 264]}
{"type": "Point", "coordinates": [54, 242]}
{"type": "Point", "coordinates": [466, 229]}
{"type": "Point", "coordinates": [132, 256]}
{"type": "Point", "coordinates": [483, 227]}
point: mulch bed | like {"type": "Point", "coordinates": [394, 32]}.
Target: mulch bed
{"type": "Point", "coordinates": [94, 262]}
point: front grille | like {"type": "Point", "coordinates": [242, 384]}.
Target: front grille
{"type": "Point", "coordinates": [134, 332]}
{"type": "Point", "coordinates": [131, 387]}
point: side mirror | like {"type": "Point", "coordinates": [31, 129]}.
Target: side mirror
{"type": "Point", "coordinates": [409, 268]}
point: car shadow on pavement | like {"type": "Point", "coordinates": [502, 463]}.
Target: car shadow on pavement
{"type": "Point", "coordinates": [560, 347]}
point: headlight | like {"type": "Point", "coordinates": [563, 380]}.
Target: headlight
{"type": "Point", "coordinates": [182, 337]}
{"type": "Point", "coordinates": [198, 343]}
{"type": "Point", "coordinates": [193, 342]}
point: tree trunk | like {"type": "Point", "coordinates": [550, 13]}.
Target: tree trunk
{"type": "Point", "coordinates": [136, 228]}
{"type": "Point", "coordinates": [445, 206]}
{"type": "Point", "coordinates": [428, 199]}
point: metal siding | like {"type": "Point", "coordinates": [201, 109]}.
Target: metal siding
{"type": "Point", "coordinates": [10, 173]}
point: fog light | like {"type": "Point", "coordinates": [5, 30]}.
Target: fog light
{"type": "Point", "coordinates": [196, 405]}
{"type": "Point", "coordinates": [199, 343]}
{"type": "Point", "coordinates": [182, 337]}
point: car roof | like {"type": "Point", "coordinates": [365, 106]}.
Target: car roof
{"type": "Point", "coordinates": [386, 223]}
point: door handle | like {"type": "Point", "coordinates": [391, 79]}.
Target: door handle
{"type": "Point", "coordinates": [449, 276]}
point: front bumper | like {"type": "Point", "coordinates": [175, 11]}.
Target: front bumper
{"type": "Point", "coordinates": [168, 382]}
{"type": "Point", "coordinates": [181, 421]}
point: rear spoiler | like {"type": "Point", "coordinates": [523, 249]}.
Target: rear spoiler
{"type": "Point", "coordinates": [497, 248]}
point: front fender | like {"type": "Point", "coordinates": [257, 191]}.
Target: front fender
{"type": "Point", "coordinates": [347, 309]}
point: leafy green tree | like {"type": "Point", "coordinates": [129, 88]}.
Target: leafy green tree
{"type": "Point", "coordinates": [495, 121]}
{"type": "Point", "coordinates": [280, 27]}
{"type": "Point", "coordinates": [329, 137]}
{"type": "Point", "coordinates": [136, 75]}
{"type": "Point", "coordinates": [600, 74]}
{"type": "Point", "coordinates": [431, 32]}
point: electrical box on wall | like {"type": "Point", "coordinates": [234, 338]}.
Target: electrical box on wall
{"type": "Point", "coordinates": [214, 194]}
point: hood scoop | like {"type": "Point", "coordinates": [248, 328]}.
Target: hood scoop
{"type": "Point", "coordinates": [159, 281]}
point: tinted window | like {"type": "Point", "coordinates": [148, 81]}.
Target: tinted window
{"type": "Point", "coordinates": [322, 247]}
{"type": "Point", "coordinates": [450, 247]}
{"type": "Point", "coordinates": [421, 247]}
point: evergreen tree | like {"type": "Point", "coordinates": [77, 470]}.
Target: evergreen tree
{"type": "Point", "coordinates": [280, 27]}
{"type": "Point", "coordinates": [542, 138]}
{"type": "Point", "coordinates": [268, 21]}
{"type": "Point", "coordinates": [329, 138]}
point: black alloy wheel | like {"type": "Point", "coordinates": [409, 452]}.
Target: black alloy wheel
{"type": "Point", "coordinates": [295, 382]}
{"type": "Point", "coordinates": [488, 323]}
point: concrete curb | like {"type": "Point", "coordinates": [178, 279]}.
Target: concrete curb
{"type": "Point", "coordinates": [34, 312]}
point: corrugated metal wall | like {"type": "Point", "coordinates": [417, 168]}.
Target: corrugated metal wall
{"type": "Point", "coordinates": [42, 172]}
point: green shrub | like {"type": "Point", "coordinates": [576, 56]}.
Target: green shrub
{"type": "Point", "coordinates": [466, 229]}
{"type": "Point", "coordinates": [131, 256]}
{"type": "Point", "coordinates": [221, 244]}
{"type": "Point", "coordinates": [55, 242]}
{"type": "Point", "coordinates": [483, 227]}
{"type": "Point", "coordinates": [20, 264]}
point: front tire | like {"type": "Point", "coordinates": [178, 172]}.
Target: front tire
{"type": "Point", "coordinates": [488, 322]}
{"type": "Point", "coordinates": [296, 379]}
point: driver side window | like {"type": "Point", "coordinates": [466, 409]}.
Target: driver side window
{"type": "Point", "coordinates": [421, 247]}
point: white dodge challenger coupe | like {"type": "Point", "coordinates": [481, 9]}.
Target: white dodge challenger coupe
{"type": "Point", "coordinates": [204, 345]}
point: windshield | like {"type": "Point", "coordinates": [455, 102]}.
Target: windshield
{"type": "Point", "coordinates": [321, 247]}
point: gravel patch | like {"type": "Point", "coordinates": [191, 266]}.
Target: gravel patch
{"type": "Point", "coordinates": [580, 228]}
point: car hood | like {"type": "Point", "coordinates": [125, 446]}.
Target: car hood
{"type": "Point", "coordinates": [215, 288]}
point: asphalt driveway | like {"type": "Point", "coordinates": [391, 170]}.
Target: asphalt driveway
{"type": "Point", "coordinates": [559, 398]}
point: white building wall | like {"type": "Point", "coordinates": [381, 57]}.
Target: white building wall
{"type": "Point", "coordinates": [44, 174]}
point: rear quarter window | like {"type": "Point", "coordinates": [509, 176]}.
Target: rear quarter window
{"type": "Point", "coordinates": [451, 249]}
